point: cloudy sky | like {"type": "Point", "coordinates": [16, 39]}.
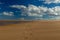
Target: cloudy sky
{"type": "Point", "coordinates": [29, 9]}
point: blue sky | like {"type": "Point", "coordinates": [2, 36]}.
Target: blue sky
{"type": "Point", "coordinates": [29, 9]}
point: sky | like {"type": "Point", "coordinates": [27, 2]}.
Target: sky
{"type": "Point", "coordinates": [29, 9]}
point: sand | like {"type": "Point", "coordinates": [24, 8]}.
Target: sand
{"type": "Point", "coordinates": [33, 30]}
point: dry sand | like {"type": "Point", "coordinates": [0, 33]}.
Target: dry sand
{"type": "Point", "coordinates": [33, 30]}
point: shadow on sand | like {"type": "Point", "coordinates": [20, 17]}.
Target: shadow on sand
{"type": "Point", "coordinates": [3, 23]}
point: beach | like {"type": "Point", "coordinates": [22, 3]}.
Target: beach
{"type": "Point", "coordinates": [30, 30]}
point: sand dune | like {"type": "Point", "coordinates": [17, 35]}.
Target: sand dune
{"type": "Point", "coordinates": [30, 30]}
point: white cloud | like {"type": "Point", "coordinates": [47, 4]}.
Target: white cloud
{"type": "Point", "coordinates": [8, 13]}
{"type": "Point", "coordinates": [38, 11]}
{"type": "Point", "coordinates": [52, 1]}
{"type": "Point", "coordinates": [18, 6]}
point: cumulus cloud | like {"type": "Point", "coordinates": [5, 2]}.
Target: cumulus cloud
{"type": "Point", "coordinates": [37, 11]}
{"type": "Point", "coordinates": [18, 6]}
{"type": "Point", "coordinates": [52, 1]}
{"type": "Point", "coordinates": [31, 10]}
{"type": "Point", "coordinates": [8, 13]}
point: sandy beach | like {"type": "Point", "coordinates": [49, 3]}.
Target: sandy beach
{"type": "Point", "coordinates": [31, 30]}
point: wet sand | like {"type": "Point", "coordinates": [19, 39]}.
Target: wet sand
{"type": "Point", "coordinates": [33, 30]}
